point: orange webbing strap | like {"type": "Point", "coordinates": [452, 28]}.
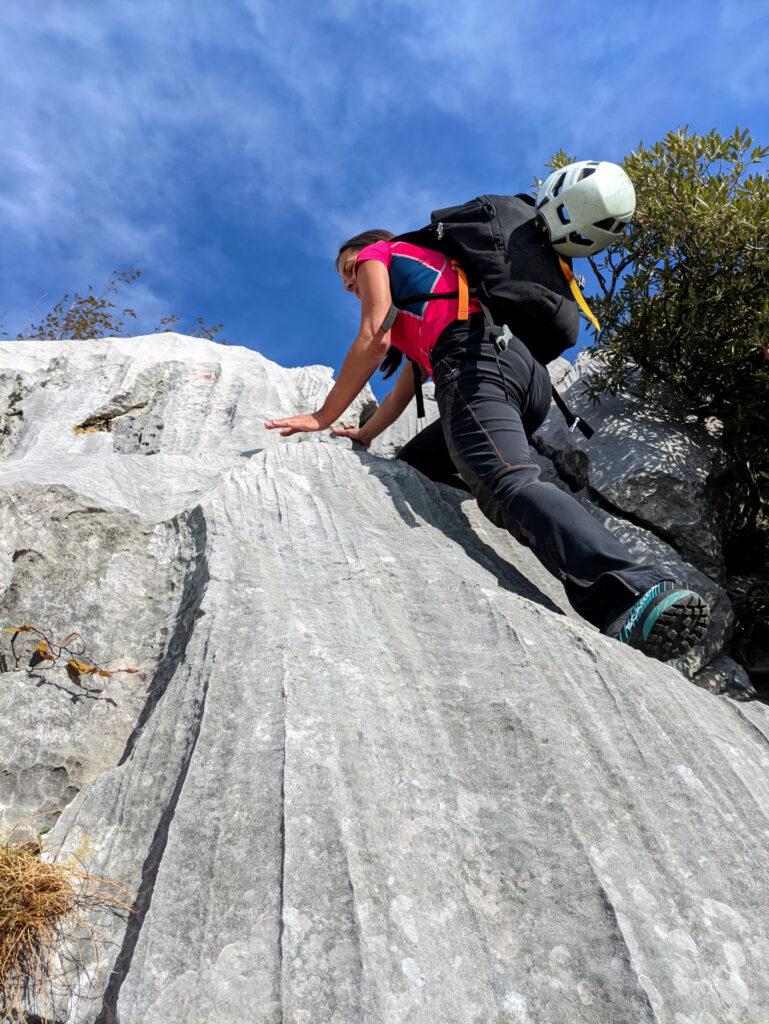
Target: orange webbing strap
{"type": "Point", "coordinates": [463, 311]}
{"type": "Point", "coordinates": [568, 274]}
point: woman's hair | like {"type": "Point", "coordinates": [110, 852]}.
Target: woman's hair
{"type": "Point", "coordinates": [363, 239]}
{"type": "Point", "coordinates": [393, 359]}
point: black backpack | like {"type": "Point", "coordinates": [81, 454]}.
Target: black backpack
{"type": "Point", "coordinates": [519, 279]}
{"type": "Point", "coordinates": [513, 270]}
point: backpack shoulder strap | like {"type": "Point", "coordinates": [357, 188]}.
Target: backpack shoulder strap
{"type": "Point", "coordinates": [572, 420]}
{"type": "Point", "coordinates": [388, 321]}
{"type": "Point", "coordinates": [385, 326]}
{"type": "Point", "coordinates": [418, 388]}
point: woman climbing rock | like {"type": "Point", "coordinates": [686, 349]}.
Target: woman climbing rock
{"type": "Point", "coordinates": [491, 400]}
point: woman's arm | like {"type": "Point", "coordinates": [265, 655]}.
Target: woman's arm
{"type": "Point", "coordinates": [366, 353]}
{"type": "Point", "coordinates": [388, 412]}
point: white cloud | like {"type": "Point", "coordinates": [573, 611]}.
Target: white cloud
{"type": "Point", "coordinates": [124, 124]}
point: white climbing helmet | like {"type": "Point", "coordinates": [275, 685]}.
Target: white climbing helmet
{"type": "Point", "coordinates": [586, 206]}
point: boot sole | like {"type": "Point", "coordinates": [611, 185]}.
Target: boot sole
{"type": "Point", "coordinates": [679, 628]}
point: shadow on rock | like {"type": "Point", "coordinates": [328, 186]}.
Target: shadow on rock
{"type": "Point", "coordinates": [414, 495]}
{"type": "Point", "coordinates": [80, 692]}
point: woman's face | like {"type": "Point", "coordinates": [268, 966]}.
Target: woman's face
{"type": "Point", "coordinates": [346, 267]}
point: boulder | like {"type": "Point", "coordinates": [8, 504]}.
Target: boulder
{"type": "Point", "coordinates": [724, 675]}
{"type": "Point", "coordinates": [372, 771]}
{"type": "Point", "coordinates": [642, 464]}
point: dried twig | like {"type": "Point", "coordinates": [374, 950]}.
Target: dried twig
{"type": "Point", "coordinates": [46, 653]}
{"type": "Point", "coordinates": [45, 913]}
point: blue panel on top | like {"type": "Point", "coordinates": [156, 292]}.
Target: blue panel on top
{"type": "Point", "coordinates": [408, 276]}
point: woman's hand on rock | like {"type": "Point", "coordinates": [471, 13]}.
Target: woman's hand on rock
{"type": "Point", "coordinates": [310, 421]}
{"type": "Point", "coordinates": [354, 433]}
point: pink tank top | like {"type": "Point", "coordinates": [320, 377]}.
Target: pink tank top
{"type": "Point", "coordinates": [417, 271]}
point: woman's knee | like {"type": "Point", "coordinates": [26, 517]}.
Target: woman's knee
{"type": "Point", "coordinates": [514, 479]}
{"type": "Point", "coordinates": [496, 492]}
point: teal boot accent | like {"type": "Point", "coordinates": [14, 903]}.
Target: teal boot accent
{"type": "Point", "coordinates": [664, 623]}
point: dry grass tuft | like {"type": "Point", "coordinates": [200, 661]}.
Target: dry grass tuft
{"type": "Point", "coordinates": [44, 911]}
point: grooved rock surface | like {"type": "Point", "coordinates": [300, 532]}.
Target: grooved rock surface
{"type": "Point", "coordinates": [390, 441]}
{"type": "Point", "coordinates": [64, 561]}
{"type": "Point", "coordinates": [373, 772]}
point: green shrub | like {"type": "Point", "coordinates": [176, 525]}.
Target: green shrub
{"type": "Point", "coordinates": [684, 307]}
{"type": "Point", "coordinates": [92, 315]}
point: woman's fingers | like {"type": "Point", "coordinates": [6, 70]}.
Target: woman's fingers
{"type": "Point", "coordinates": [354, 433]}
{"type": "Point", "coordinates": [281, 423]}
{"type": "Point", "coordinates": [293, 424]}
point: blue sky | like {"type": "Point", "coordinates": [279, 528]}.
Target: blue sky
{"type": "Point", "coordinates": [227, 147]}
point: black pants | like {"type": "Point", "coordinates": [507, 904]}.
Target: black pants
{"type": "Point", "coordinates": [483, 436]}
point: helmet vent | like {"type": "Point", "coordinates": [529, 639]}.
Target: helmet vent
{"type": "Point", "coordinates": [606, 224]}
{"type": "Point", "coordinates": [559, 184]}
{"type": "Point", "coordinates": [578, 239]}
{"type": "Point", "coordinates": [586, 172]}
{"type": "Point", "coordinates": [563, 214]}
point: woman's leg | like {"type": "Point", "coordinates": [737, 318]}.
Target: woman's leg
{"type": "Point", "coordinates": [429, 453]}
{"type": "Point", "coordinates": [486, 426]}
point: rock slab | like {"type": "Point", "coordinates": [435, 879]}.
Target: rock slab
{"type": "Point", "coordinates": [373, 772]}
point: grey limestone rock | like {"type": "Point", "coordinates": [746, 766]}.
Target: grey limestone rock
{"type": "Point", "coordinates": [724, 675]}
{"type": "Point", "coordinates": [407, 426]}
{"type": "Point", "coordinates": [372, 772]}
{"type": "Point", "coordinates": [642, 464]}
{"type": "Point", "coordinates": [560, 371]}
{"type": "Point", "coordinates": [646, 545]}
{"type": "Point", "coordinates": [67, 565]}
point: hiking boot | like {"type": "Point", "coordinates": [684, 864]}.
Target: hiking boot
{"type": "Point", "coordinates": [664, 623]}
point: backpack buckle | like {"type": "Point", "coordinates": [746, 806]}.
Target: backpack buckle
{"type": "Point", "coordinates": [503, 338]}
